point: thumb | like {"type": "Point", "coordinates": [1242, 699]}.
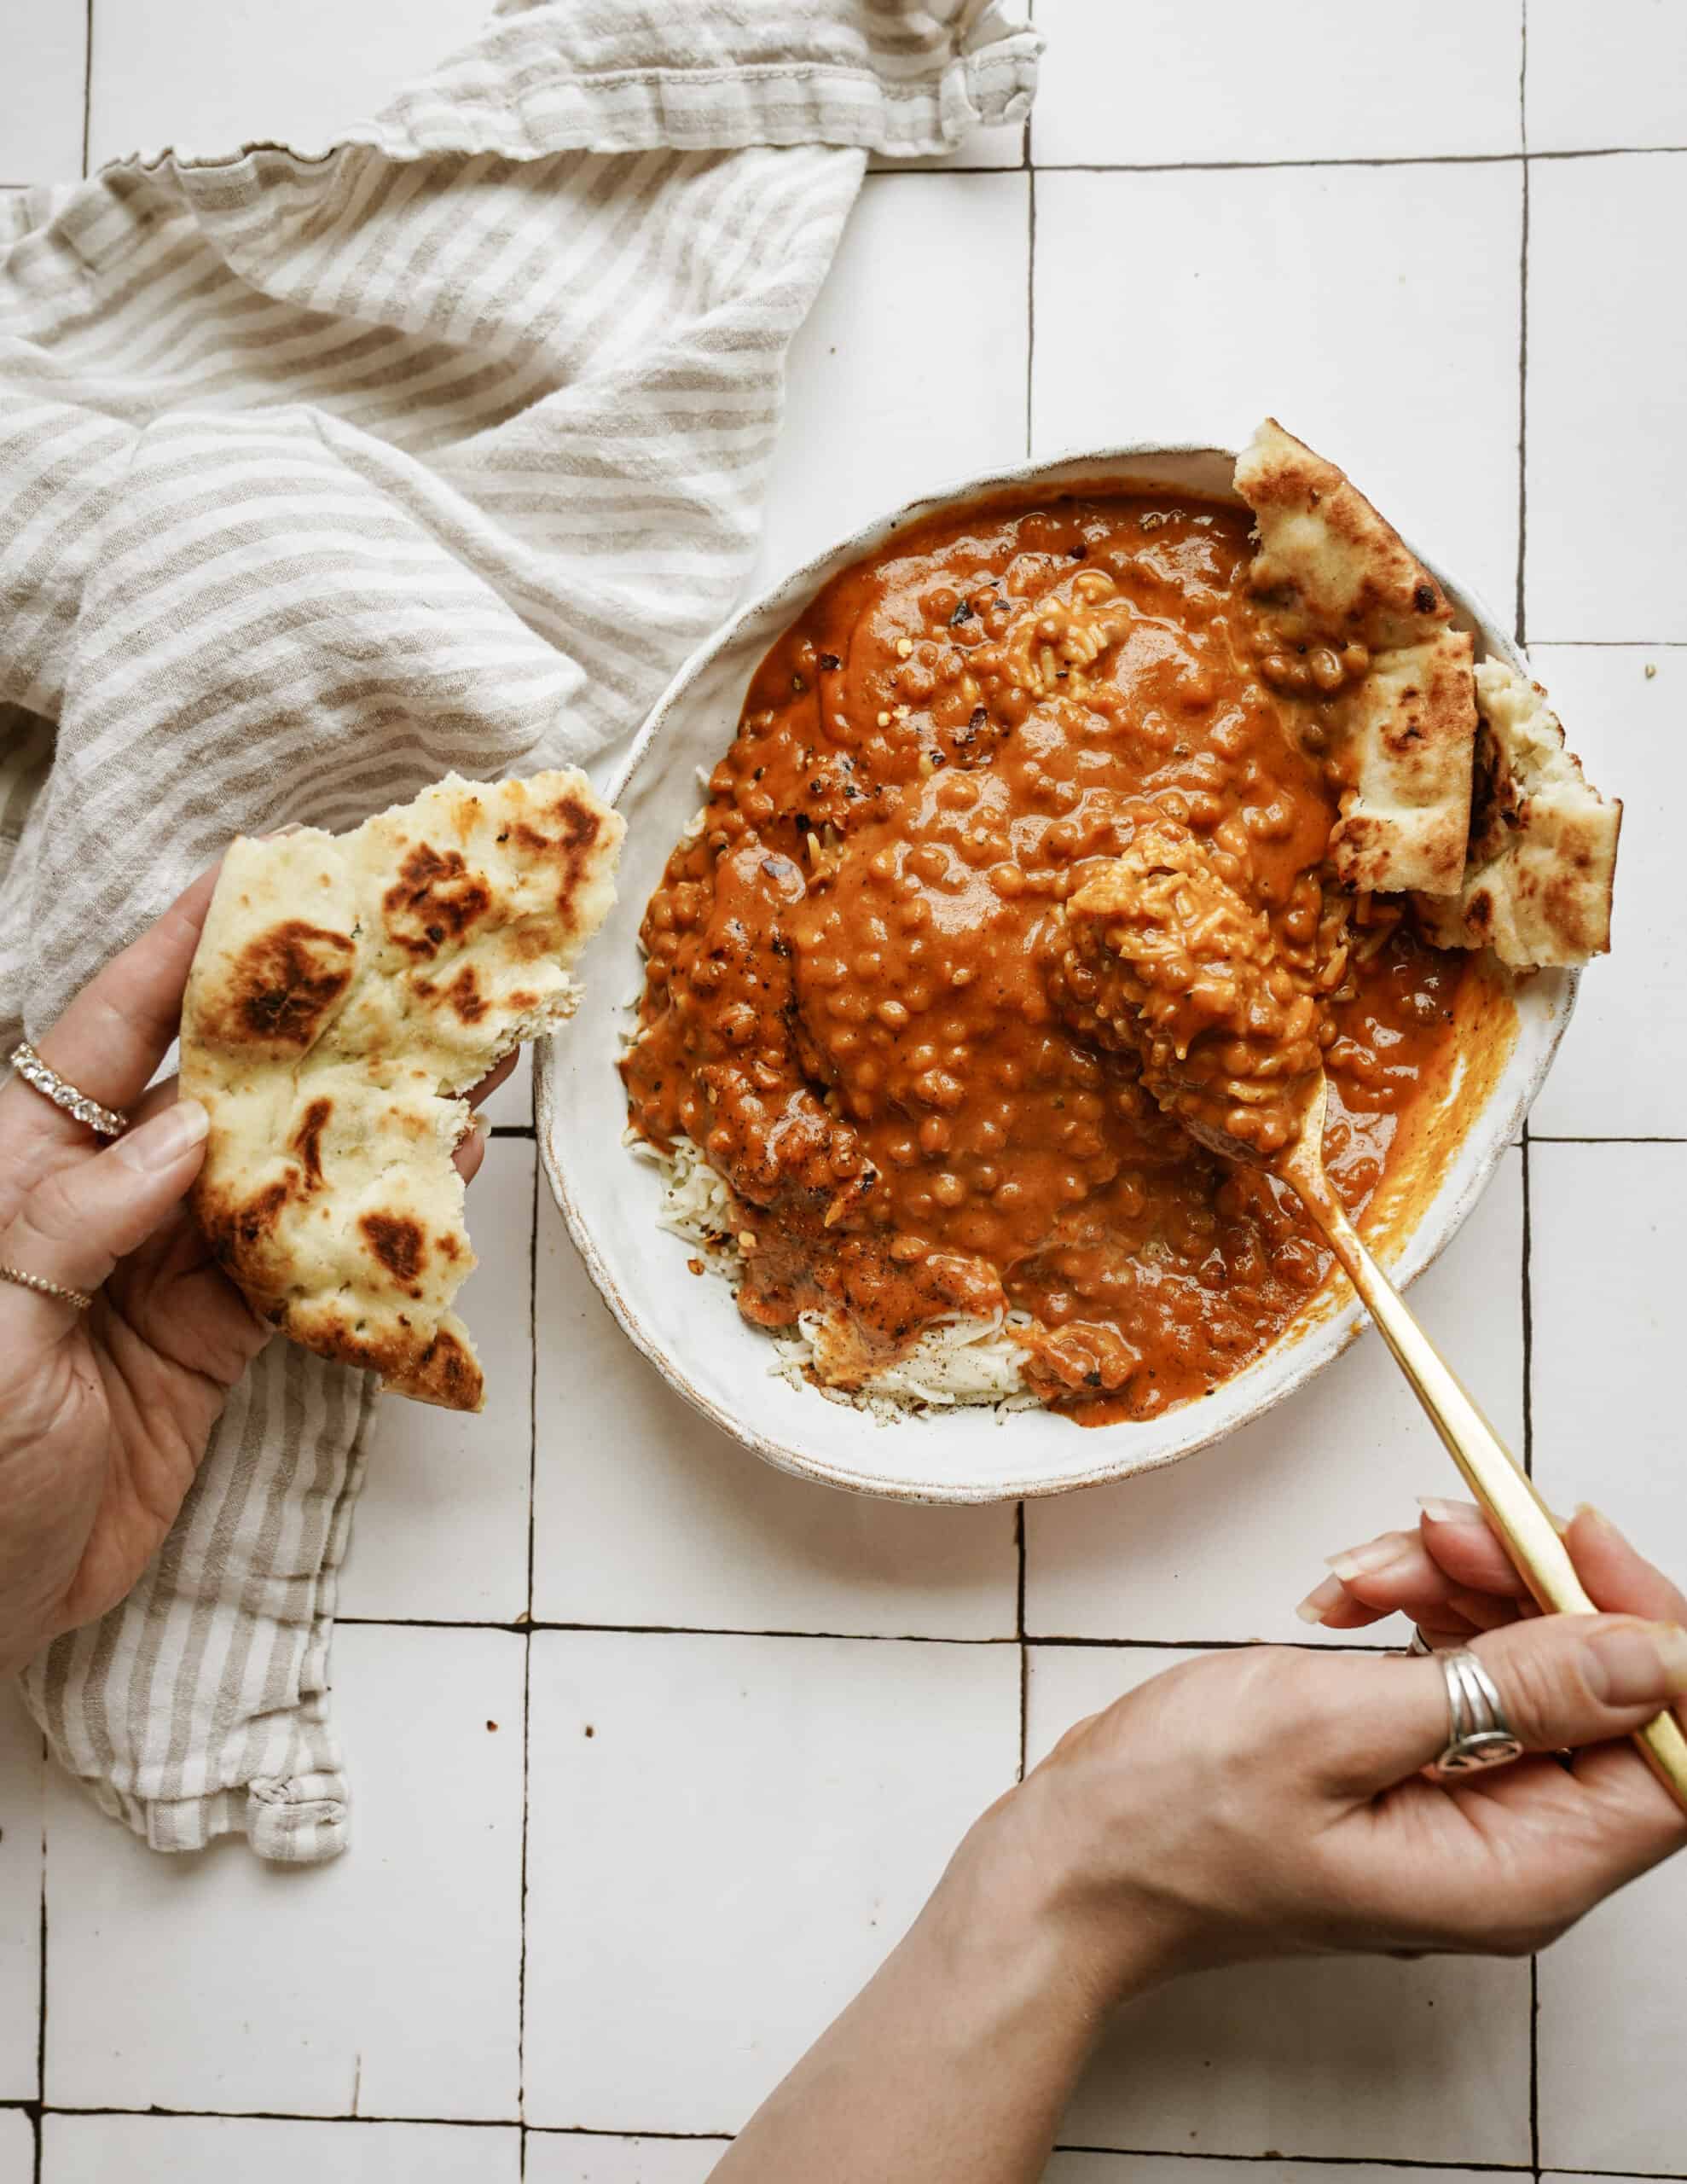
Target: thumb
{"type": "Point", "coordinates": [79, 1221]}
{"type": "Point", "coordinates": [1564, 1680]}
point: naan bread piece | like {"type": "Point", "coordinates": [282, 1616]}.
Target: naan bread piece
{"type": "Point", "coordinates": [1543, 854]}
{"type": "Point", "coordinates": [346, 988]}
{"type": "Point", "coordinates": [1331, 572]}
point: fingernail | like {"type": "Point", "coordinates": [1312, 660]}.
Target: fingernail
{"type": "Point", "coordinates": [1449, 1512]}
{"type": "Point", "coordinates": [1634, 1664]}
{"type": "Point", "coordinates": [1320, 1600]}
{"type": "Point", "coordinates": [161, 1143]}
{"type": "Point", "coordinates": [1596, 1516]}
{"type": "Point", "coordinates": [1362, 1561]}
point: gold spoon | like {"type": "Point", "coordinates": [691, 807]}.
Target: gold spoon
{"type": "Point", "coordinates": [1493, 1475]}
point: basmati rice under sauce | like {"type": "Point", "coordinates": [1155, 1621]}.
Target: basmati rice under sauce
{"type": "Point", "coordinates": [930, 1177]}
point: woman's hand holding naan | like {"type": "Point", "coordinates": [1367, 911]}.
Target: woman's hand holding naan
{"type": "Point", "coordinates": [105, 1415]}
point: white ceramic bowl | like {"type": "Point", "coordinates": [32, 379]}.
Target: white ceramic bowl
{"type": "Point", "coordinates": [690, 1329]}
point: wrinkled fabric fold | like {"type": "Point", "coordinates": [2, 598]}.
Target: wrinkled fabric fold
{"type": "Point", "coordinates": [325, 472]}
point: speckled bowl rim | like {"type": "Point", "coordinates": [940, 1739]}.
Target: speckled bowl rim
{"type": "Point", "coordinates": [1100, 1455]}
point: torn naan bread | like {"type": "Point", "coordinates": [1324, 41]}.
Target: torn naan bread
{"type": "Point", "coordinates": [1331, 574]}
{"type": "Point", "coordinates": [1543, 843]}
{"type": "Point", "coordinates": [346, 989]}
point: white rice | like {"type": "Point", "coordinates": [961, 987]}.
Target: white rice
{"type": "Point", "coordinates": [959, 1361]}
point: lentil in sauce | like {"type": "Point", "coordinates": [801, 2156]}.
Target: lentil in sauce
{"type": "Point", "coordinates": [863, 1001]}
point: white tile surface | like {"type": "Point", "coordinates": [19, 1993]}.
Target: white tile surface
{"type": "Point", "coordinates": [1001, 145]}
{"type": "Point", "coordinates": [1613, 2001]}
{"type": "Point", "coordinates": [511, 1104]}
{"type": "Point", "coordinates": [724, 1861]}
{"type": "Point", "coordinates": [1603, 78]}
{"type": "Point", "coordinates": [1605, 1231]}
{"type": "Point", "coordinates": [441, 1527]}
{"type": "Point", "coordinates": [1607, 455]}
{"type": "Point", "coordinates": [22, 1770]}
{"type": "Point", "coordinates": [44, 43]}
{"type": "Point", "coordinates": [1622, 1068]}
{"type": "Point", "coordinates": [1176, 2169]}
{"type": "Point", "coordinates": [383, 1984]}
{"type": "Point", "coordinates": [1344, 2056]}
{"type": "Point", "coordinates": [1164, 82]}
{"type": "Point", "coordinates": [212, 2149]}
{"type": "Point", "coordinates": [1223, 1545]}
{"type": "Point", "coordinates": [646, 1514]}
{"type": "Point", "coordinates": [873, 417]}
{"type": "Point", "coordinates": [572, 2157]}
{"type": "Point", "coordinates": [1274, 292]}
{"type": "Point", "coordinates": [17, 2148]}
{"type": "Point", "coordinates": [207, 79]}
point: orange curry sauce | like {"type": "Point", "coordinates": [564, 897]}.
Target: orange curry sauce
{"type": "Point", "coordinates": [852, 976]}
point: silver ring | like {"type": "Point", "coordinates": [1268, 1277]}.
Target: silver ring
{"type": "Point", "coordinates": [104, 1122]}
{"type": "Point", "coordinates": [78, 1300]}
{"type": "Point", "coordinates": [1478, 1734]}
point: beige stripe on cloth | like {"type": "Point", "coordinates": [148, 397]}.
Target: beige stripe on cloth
{"type": "Point", "coordinates": [322, 475]}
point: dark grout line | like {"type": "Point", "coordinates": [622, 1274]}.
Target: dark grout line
{"type": "Point", "coordinates": [41, 2019]}
{"type": "Point", "coordinates": [288, 2116]}
{"type": "Point", "coordinates": [1534, 2063]}
{"type": "Point", "coordinates": [1026, 157]}
{"type": "Point", "coordinates": [87, 85]}
{"type": "Point", "coordinates": [1019, 1628]}
{"type": "Point", "coordinates": [512, 1130]}
{"type": "Point", "coordinates": [1395, 159]}
{"type": "Point", "coordinates": [1031, 163]}
{"type": "Point", "coordinates": [1204, 1644]}
{"type": "Point", "coordinates": [1541, 1138]}
{"type": "Point", "coordinates": [1030, 301]}
{"type": "Point", "coordinates": [527, 1644]}
{"type": "Point", "coordinates": [1528, 1302]}
{"type": "Point", "coordinates": [592, 2131]}
{"type": "Point", "coordinates": [522, 1628]}
{"type": "Point", "coordinates": [1521, 610]}
{"type": "Point", "coordinates": [1271, 166]}
{"type": "Point", "coordinates": [1613, 152]}
{"type": "Point", "coordinates": [1318, 2160]}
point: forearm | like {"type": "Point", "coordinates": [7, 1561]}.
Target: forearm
{"type": "Point", "coordinates": [957, 2059]}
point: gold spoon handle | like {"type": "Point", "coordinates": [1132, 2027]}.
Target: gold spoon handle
{"type": "Point", "coordinates": [1491, 1472]}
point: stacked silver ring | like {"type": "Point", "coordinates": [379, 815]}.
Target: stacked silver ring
{"type": "Point", "coordinates": [1478, 1734]}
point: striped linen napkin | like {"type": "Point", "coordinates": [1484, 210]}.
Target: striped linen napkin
{"type": "Point", "coordinates": [321, 475]}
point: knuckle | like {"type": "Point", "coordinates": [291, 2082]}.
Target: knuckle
{"type": "Point", "coordinates": [1540, 1686]}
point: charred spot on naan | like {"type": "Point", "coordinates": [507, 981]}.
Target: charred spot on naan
{"type": "Point", "coordinates": [306, 1142]}
{"type": "Point", "coordinates": [578, 827]}
{"type": "Point", "coordinates": [397, 1245]}
{"type": "Point", "coordinates": [436, 898]}
{"type": "Point", "coordinates": [285, 984]}
{"type": "Point", "coordinates": [447, 1372]}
